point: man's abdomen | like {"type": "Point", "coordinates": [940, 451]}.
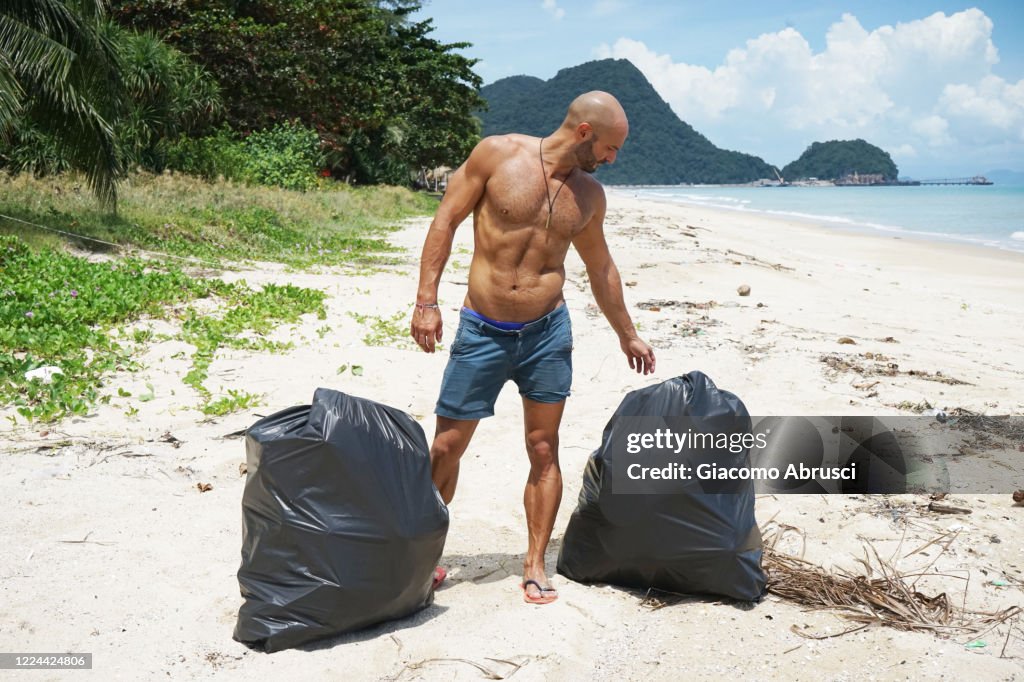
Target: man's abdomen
{"type": "Point", "coordinates": [514, 295]}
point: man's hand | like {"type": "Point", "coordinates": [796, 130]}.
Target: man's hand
{"type": "Point", "coordinates": [426, 327]}
{"type": "Point", "coordinates": [640, 355]}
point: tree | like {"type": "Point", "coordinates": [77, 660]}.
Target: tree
{"type": "Point", "coordinates": [59, 78]}
{"type": "Point", "coordinates": [441, 95]}
{"type": "Point", "coordinates": [836, 158]}
{"type": "Point", "coordinates": [167, 96]}
{"type": "Point", "coordinates": [382, 94]}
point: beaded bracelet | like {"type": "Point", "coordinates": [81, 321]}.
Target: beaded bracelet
{"type": "Point", "coordinates": [422, 306]}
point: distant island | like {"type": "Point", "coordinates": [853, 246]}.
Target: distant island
{"type": "Point", "coordinates": [664, 150]}
{"type": "Point", "coordinates": [852, 162]}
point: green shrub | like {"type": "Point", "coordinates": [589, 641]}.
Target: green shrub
{"type": "Point", "coordinates": [30, 150]}
{"type": "Point", "coordinates": [286, 155]}
{"type": "Point", "coordinates": [221, 155]}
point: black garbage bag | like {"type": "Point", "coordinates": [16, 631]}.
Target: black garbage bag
{"type": "Point", "coordinates": [690, 541]}
{"type": "Point", "coordinates": [341, 525]}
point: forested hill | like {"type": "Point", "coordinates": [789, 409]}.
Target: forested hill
{"type": "Point", "coordinates": [661, 149]}
{"type": "Point", "coordinates": [837, 158]}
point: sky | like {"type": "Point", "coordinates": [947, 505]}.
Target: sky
{"type": "Point", "coordinates": [938, 85]}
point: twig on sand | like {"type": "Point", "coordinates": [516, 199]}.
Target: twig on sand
{"type": "Point", "coordinates": [39, 445]}
{"type": "Point", "coordinates": [888, 599]}
{"type": "Point", "coordinates": [757, 261]}
{"type": "Point", "coordinates": [515, 665]}
{"type": "Point", "coordinates": [796, 631]}
{"type": "Point", "coordinates": [1008, 631]}
{"type": "Point", "coordinates": [599, 368]}
{"type": "Point", "coordinates": [121, 454]}
{"type": "Point", "coordinates": [85, 540]}
{"type": "Point", "coordinates": [488, 673]}
{"type": "Point", "coordinates": [940, 538]}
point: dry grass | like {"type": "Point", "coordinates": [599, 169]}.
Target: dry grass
{"type": "Point", "coordinates": [1009, 427]}
{"type": "Point", "coordinates": [882, 595]}
{"type": "Point", "coordinates": [212, 220]}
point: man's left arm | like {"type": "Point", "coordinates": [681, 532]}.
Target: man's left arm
{"type": "Point", "coordinates": [607, 287]}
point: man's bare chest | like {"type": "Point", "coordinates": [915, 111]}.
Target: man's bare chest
{"type": "Point", "coordinates": [516, 197]}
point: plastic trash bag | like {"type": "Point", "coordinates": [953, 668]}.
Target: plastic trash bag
{"type": "Point", "coordinates": [341, 524]}
{"type": "Point", "coordinates": [690, 541]}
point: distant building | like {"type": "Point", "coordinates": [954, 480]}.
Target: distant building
{"type": "Point", "coordinates": [865, 179]}
{"type": "Point", "coordinates": [435, 179]}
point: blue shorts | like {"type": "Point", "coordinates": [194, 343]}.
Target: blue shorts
{"type": "Point", "coordinates": [537, 357]}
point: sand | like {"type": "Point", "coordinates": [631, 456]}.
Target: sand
{"type": "Point", "coordinates": [111, 549]}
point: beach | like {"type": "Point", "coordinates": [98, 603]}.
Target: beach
{"type": "Point", "coordinates": [124, 531]}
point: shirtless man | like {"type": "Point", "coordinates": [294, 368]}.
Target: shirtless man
{"type": "Point", "coordinates": [530, 198]}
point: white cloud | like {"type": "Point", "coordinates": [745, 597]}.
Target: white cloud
{"type": "Point", "coordinates": [923, 87]}
{"type": "Point", "coordinates": [603, 8]}
{"type": "Point", "coordinates": [991, 102]}
{"type": "Point", "coordinates": [552, 8]}
{"type": "Point", "coordinates": [934, 129]}
{"type": "Point", "coordinates": [693, 91]}
{"type": "Point", "coordinates": [904, 151]}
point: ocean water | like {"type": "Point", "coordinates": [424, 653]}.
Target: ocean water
{"type": "Point", "coordinates": [990, 215]}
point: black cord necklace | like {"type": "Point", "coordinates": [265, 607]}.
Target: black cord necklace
{"type": "Point", "coordinates": [547, 192]}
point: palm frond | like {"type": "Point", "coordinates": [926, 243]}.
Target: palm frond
{"type": "Point", "coordinates": [35, 53]}
{"type": "Point", "coordinates": [11, 95]}
{"type": "Point", "coordinates": [59, 70]}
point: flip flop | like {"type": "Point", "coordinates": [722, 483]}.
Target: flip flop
{"type": "Point", "coordinates": [547, 594]}
{"type": "Point", "coordinates": [439, 575]}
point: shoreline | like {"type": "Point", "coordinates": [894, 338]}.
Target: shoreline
{"type": "Point", "coordinates": [939, 301]}
{"type": "Point", "coordinates": [835, 223]}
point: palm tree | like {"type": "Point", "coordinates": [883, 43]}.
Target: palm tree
{"type": "Point", "coordinates": [59, 75]}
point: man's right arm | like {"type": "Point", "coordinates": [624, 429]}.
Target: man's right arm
{"type": "Point", "coordinates": [465, 188]}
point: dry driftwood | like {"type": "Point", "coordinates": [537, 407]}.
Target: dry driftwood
{"type": "Point", "coordinates": [940, 508]}
{"type": "Point", "coordinates": [757, 261]}
{"type": "Point", "coordinates": [882, 596]}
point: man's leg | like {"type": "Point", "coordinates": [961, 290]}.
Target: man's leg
{"type": "Point", "coordinates": [543, 491]}
{"type": "Point", "coordinates": [451, 438]}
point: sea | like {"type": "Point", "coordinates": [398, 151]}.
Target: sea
{"type": "Point", "coordinates": [984, 215]}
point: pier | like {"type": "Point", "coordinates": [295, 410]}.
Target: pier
{"type": "Point", "coordinates": [975, 180]}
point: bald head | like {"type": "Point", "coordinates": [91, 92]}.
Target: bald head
{"type": "Point", "coordinates": [597, 127]}
{"type": "Point", "coordinates": [600, 109]}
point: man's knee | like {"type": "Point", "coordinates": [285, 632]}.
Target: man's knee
{"type": "Point", "coordinates": [542, 449]}
{"type": "Point", "coordinates": [448, 447]}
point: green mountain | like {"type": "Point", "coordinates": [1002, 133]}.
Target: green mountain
{"type": "Point", "coordinates": [660, 150]}
{"type": "Point", "coordinates": [837, 158]}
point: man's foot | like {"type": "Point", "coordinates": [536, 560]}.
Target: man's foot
{"type": "Point", "coordinates": [535, 593]}
{"type": "Point", "coordinates": [439, 575]}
